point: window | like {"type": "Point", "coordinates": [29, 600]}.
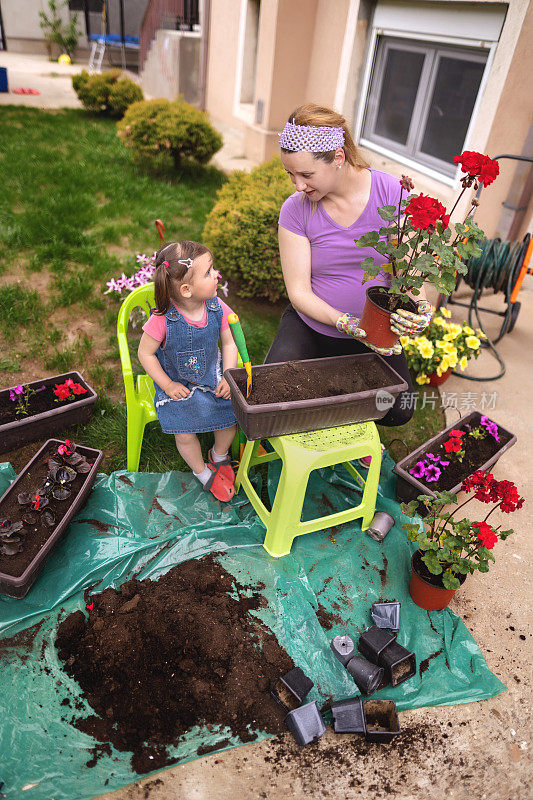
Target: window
{"type": "Point", "coordinates": [421, 99]}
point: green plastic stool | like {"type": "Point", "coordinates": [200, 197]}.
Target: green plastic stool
{"type": "Point", "coordinates": [301, 453]}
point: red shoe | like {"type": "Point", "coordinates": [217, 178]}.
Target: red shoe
{"type": "Point", "coordinates": [219, 486]}
{"type": "Point", "coordinates": [224, 467]}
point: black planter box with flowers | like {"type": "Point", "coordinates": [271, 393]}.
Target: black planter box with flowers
{"type": "Point", "coordinates": [38, 507]}
{"type": "Point", "coordinates": [41, 411]}
{"type": "Point", "coordinates": [435, 476]}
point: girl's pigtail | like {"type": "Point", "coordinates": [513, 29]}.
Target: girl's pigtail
{"type": "Point", "coordinates": [162, 283]}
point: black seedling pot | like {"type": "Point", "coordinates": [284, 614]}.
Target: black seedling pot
{"type": "Point", "coordinates": [374, 641]}
{"type": "Point", "coordinates": [368, 677]}
{"type": "Point", "coordinates": [386, 615]}
{"type": "Point", "coordinates": [306, 724]}
{"type": "Point", "coordinates": [382, 723]}
{"type": "Point", "coordinates": [348, 716]}
{"type": "Point", "coordinates": [297, 683]}
{"type": "Point", "coordinates": [343, 647]}
{"type": "Point", "coordinates": [399, 664]}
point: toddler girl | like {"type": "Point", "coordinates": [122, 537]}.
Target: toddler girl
{"type": "Point", "coordinates": [179, 351]}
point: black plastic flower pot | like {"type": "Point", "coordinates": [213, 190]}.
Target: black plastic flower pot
{"type": "Point", "coordinates": [408, 487]}
{"type": "Point", "coordinates": [343, 647]}
{"type": "Point", "coordinates": [367, 676]}
{"type": "Point", "coordinates": [18, 585]}
{"type": "Point", "coordinates": [387, 615]}
{"type": "Point", "coordinates": [374, 641]}
{"type": "Point", "coordinates": [306, 724]}
{"type": "Point", "coordinates": [382, 723]}
{"type": "Point", "coordinates": [398, 662]}
{"type": "Point", "coordinates": [348, 716]}
{"type": "Point", "coordinates": [61, 416]}
{"type": "Point", "coordinates": [298, 684]}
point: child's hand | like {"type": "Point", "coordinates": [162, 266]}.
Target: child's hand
{"type": "Point", "coordinates": [223, 390]}
{"type": "Point", "coordinates": [176, 391]}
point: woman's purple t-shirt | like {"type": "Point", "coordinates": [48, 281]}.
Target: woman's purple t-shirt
{"type": "Point", "coordinates": [336, 274]}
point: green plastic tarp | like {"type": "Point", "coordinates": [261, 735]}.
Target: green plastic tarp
{"type": "Point", "coordinates": [144, 524]}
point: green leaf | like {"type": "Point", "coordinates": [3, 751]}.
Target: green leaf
{"type": "Point", "coordinates": [450, 581]}
{"type": "Point", "coordinates": [388, 212]}
{"type": "Point", "coordinates": [409, 509]}
{"type": "Point", "coordinates": [369, 239]}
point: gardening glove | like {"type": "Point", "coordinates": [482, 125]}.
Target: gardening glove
{"type": "Point", "coordinates": [349, 324]}
{"type": "Point", "coordinates": [405, 323]}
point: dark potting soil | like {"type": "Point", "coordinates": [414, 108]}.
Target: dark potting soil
{"type": "Point", "coordinates": [477, 453]}
{"type": "Point", "coordinates": [380, 717]}
{"type": "Point", "coordinates": [156, 658]}
{"type": "Point", "coordinates": [35, 536]}
{"type": "Point", "coordinates": [294, 380]}
{"type": "Point", "coordinates": [39, 402]}
{"type": "Point", "coordinates": [425, 574]}
{"type": "Point", "coordinates": [391, 302]}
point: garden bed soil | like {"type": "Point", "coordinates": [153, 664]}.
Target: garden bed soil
{"type": "Point", "coordinates": [158, 657]}
{"type": "Point", "coordinates": [296, 380]}
{"type": "Point", "coordinates": [36, 537]}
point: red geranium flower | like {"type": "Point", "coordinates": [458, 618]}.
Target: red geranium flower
{"type": "Point", "coordinates": [77, 388]}
{"type": "Point", "coordinates": [486, 534]}
{"type": "Point", "coordinates": [453, 445]}
{"type": "Point", "coordinates": [62, 391]}
{"type": "Point", "coordinates": [453, 432]}
{"type": "Point", "coordinates": [425, 211]}
{"type": "Point", "coordinates": [478, 166]}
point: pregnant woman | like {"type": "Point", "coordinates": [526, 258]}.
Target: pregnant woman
{"type": "Point", "coordinates": [336, 201]}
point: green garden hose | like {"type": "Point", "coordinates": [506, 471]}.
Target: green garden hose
{"type": "Point", "coordinates": [497, 268]}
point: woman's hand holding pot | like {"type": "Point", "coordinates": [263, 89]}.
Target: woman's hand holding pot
{"type": "Point", "coordinates": [349, 324]}
{"type": "Point", "coordinates": [405, 323]}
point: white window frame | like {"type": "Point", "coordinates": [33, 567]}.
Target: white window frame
{"type": "Point", "coordinates": [393, 154]}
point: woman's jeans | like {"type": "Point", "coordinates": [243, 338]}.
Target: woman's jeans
{"type": "Point", "coordinates": [295, 341]}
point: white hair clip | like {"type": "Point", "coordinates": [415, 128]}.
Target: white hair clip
{"type": "Point", "coordinates": [187, 262]}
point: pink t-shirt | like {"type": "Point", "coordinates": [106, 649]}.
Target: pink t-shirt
{"type": "Point", "coordinates": [156, 327]}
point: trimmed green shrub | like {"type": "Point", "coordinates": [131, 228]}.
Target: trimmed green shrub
{"type": "Point", "coordinates": [152, 128]}
{"type": "Point", "coordinates": [242, 230]}
{"type": "Point", "coordinates": [106, 92]}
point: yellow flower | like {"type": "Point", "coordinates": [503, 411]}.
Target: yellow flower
{"type": "Point", "coordinates": [440, 322]}
{"type": "Point", "coordinates": [467, 329]}
{"type": "Point", "coordinates": [472, 342]}
{"type": "Point", "coordinates": [451, 358]}
{"type": "Point", "coordinates": [453, 331]}
{"type": "Point", "coordinates": [422, 378]}
{"type": "Point", "coordinates": [463, 362]}
{"type": "Point", "coordinates": [404, 341]}
{"type": "Point", "coordinates": [448, 347]}
{"type": "Point", "coordinates": [442, 368]}
{"type": "Point", "coordinates": [445, 312]}
{"type": "Point", "coordinates": [480, 333]}
{"type": "Point", "coordinates": [426, 350]}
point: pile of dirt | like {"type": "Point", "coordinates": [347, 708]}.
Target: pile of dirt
{"type": "Point", "coordinates": [156, 658]}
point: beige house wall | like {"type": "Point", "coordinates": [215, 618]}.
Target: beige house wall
{"type": "Point", "coordinates": [316, 50]}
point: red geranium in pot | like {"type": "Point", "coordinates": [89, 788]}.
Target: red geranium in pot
{"type": "Point", "coordinates": [419, 248]}
{"type": "Point", "coordinates": [449, 548]}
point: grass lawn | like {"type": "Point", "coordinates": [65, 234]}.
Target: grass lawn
{"type": "Point", "coordinates": [75, 213]}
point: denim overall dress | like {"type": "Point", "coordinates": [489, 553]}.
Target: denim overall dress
{"type": "Point", "coordinates": [191, 357]}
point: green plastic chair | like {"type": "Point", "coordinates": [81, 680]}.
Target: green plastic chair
{"type": "Point", "coordinates": [140, 395]}
{"type": "Point", "coordinates": [301, 453]}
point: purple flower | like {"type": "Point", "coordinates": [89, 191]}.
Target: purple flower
{"type": "Point", "coordinates": [16, 391]}
{"type": "Point", "coordinates": [419, 470]}
{"type": "Point", "coordinates": [432, 473]}
{"type": "Point", "coordinates": [431, 457]}
{"type": "Point", "coordinates": [491, 427]}
{"type": "Point", "coordinates": [443, 463]}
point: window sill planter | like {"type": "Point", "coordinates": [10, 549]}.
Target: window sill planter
{"type": "Point", "coordinates": [408, 487]}
{"type": "Point", "coordinates": [58, 417]}
{"type": "Point", "coordinates": [426, 594]}
{"type": "Point", "coordinates": [38, 541]}
{"type": "Point", "coordinates": [261, 420]}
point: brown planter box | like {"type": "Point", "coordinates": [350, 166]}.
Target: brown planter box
{"type": "Point", "coordinates": [38, 426]}
{"type": "Point", "coordinates": [298, 416]}
{"type": "Point", "coordinates": [19, 586]}
{"type": "Point", "coordinates": [408, 488]}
